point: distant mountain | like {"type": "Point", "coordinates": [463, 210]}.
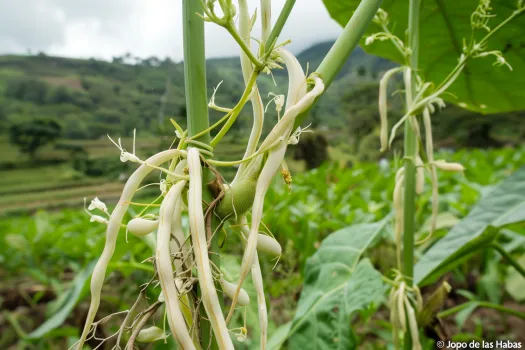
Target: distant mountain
{"type": "Point", "coordinates": [313, 56]}
{"type": "Point", "coordinates": [91, 98]}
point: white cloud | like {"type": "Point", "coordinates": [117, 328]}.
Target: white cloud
{"type": "Point", "coordinates": [102, 29]}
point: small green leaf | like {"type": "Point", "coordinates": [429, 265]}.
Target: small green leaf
{"type": "Point", "coordinates": [462, 316]}
{"type": "Point", "coordinates": [473, 231]}
{"type": "Point", "coordinates": [68, 303]}
{"type": "Point", "coordinates": [443, 221]}
{"type": "Point", "coordinates": [279, 336]}
{"type": "Point", "coordinates": [17, 242]}
{"type": "Point", "coordinates": [336, 286]}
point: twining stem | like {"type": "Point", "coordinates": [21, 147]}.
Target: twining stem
{"type": "Point", "coordinates": [235, 112]}
{"type": "Point", "coordinates": [409, 202]}
{"type": "Point", "coordinates": [343, 46]}
{"type": "Point", "coordinates": [486, 304]}
{"type": "Point", "coordinates": [509, 258]}
{"type": "Point", "coordinates": [281, 21]}
{"type": "Point", "coordinates": [348, 40]}
{"type": "Point", "coordinates": [235, 34]}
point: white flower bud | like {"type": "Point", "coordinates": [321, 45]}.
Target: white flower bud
{"type": "Point", "coordinates": [126, 156]}
{"type": "Point", "coordinates": [369, 40]}
{"type": "Point", "coordinates": [98, 204]}
{"type": "Point", "coordinates": [279, 102]}
{"type": "Point", "coordinates": [141, 227]}
{"type": "Point", "coordinates": [163, 187]}
{"type": "Point", "coordinates": [293, 140]}
{"type": "Point", "coordinates": [99, 219]}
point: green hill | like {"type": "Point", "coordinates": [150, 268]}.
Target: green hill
{"type": "Point", "coordinates": [91, 98]}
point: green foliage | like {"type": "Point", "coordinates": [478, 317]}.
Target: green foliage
{"type": "Point", "coordinates": [51, 248]}
{"type": "Point", "coordinates": [336, 286]}
{"type": "Point", "coordinates": [481, 87]}
{"type": "Point", "coordinates": [502, 206]}
{"type": "Point", "coordinates": [65, 304]}
{"type": "Point", "coordinates": [313, 149]}
{"type": "Point", "coordinates": [27, 89]}
{"type": "Point", "coordinates": [29, 136]}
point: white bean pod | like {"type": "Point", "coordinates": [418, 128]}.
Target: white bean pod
{"type": "Point", "coordinates": [210, 299]}
{"type": "Point", "coordinates": [268, 245]}
{"type": "Point", "coordinates": [99, 273]}
{"type": "Point", "coordinates": [176, 321]}
{"type": "Point", "coordinates": [230, 288]}
{"type": "Point", "coordinates": [150, 335]}
{"type": "Point", "coordinates": [141, 227]}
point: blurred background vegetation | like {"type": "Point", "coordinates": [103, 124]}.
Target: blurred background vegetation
{"type": "Point", "coordinates": [55, 114]}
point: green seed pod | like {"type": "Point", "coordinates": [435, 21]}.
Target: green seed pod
{"type": "Point", "coordinates": [241, 193]}
{"type": "Point", "coordinates": [150, 335]}
{"type": "Point", "coordinates": [240, 196]}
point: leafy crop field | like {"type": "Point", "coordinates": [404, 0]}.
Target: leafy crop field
{"type": "Point", "coordinates": [334, 198]}
{"type": "Point", "coordinates": [46, 258]}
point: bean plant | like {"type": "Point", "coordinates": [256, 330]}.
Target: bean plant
{"type": "Point", "coordinates": [188, 265]}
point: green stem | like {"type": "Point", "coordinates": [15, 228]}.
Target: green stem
{"type": "Point", "coordinates": [235, 34]}
{"type": "Point", "coordinates": [281, 21]}
{"type": "Point", "coordinates": [497, 307]}
{"type": "Point", "coordinates": [195, 70]}
{"type": "Point", "coordinates": [409, 204]}
{"type": "Point", "coordinates": [236, 110]}
{"type": "Point", "coordinates": [509, 258]}
{"type": "Point", "coordinates": [197, 109]}
{"type": "Point", "coordinates": [343, 46]}
{"type": "Point", "coordinates": [348, 40]}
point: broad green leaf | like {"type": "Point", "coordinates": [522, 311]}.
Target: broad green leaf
{"type": "Point", "coordinates": [279, 336]}
{"type": "Point", "coordinates": [489, 283]}
{"type": "Point", "coordinates": [515, 282]}
{"type": "Point", "coordinates": [462, 316]}
{"type": "Point", "coordinates": [69, 302]}
{"type": "Point", "coordinates": [473, 231]}
{"type": "Point", "coordinates": [336, 285]}
{"type": "Point", "coordinates": [17, 242]}
{"type": "Point", "coordinates": [443, 221]}
{"type": "Point", "coordinates": [443, 25]}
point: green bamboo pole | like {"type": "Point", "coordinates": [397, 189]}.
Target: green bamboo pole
{"type": "Point", "coordinates": [344, 45]}
{"type": "Point", "coordinates": [197, 116]}
{"type": "Point", "coordinates": [410, 156]}
{"type": "Point", "coordinates": [195, 70]}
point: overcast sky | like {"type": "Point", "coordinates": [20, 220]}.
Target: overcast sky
{"type": "Point", "coordinates": [106, 28]}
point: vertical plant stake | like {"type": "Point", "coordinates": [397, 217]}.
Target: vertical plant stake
{"type": "Point", "coordinates": [187, 267]}
{"type": "Point", "coordinates": [422, 98]}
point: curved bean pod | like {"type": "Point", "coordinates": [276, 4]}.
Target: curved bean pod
{"type": "Point", "coordinates": [209, 295]}
{"type": "Point", "coordinates": [99, 273]}
{"type": "Point", "coordinates": [164, 268]}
